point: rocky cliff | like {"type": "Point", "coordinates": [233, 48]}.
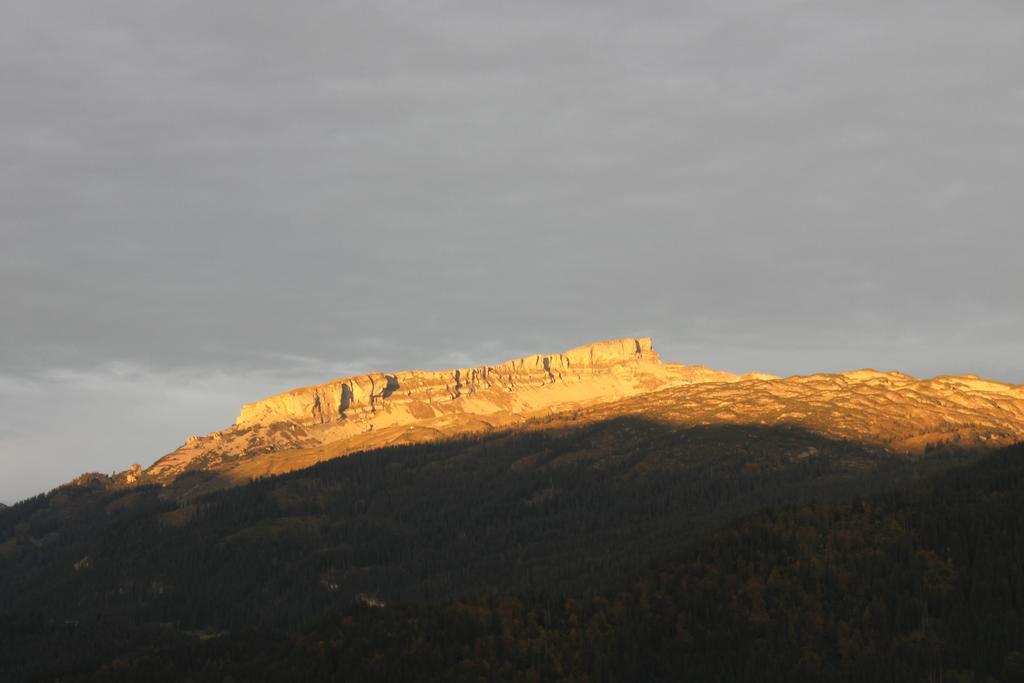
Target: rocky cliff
{"type": "Point", "coordinates": [378, 409]}
{"type": "Point", "coordinates": [888, 410]}
{"type": "Point", "coordinates": [410, 396]}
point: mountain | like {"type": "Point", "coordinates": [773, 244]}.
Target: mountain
{"type": "Point", "coordinates": [304, 426]}
{"type": "Point", "coordinates": [489, 523]}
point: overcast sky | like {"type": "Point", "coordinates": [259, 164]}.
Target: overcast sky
{"type": "Point", "coordinates": [203, 203]}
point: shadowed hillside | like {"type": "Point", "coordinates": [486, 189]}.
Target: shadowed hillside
{"type": "Point", "coordinates": [603, 567]}
{"type": "Point", "coordinates": [556, 509]}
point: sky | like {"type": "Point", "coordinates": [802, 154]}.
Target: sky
{"type": "Point", "coordinates": [204, 203]}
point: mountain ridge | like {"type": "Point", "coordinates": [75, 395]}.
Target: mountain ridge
{"type": "Point", "coordinates": [380, 408]}
{"type": "Point", "coordinates": [300, 427]}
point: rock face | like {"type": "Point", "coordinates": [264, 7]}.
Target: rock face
{"type": "Point", "coordinates": [406, 397]}
{"type": "Point", "coordinates": [301, 427]}
{"type": "Point", "coordinates": [379, 409]}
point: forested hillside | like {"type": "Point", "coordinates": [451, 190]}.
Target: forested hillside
{"type": "Point", "coordinates": [924, 585]}
{"type": "Point", "coordinates": [384, 553]}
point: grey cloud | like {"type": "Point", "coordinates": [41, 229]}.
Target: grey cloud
{"type": "Point", "coordinates": [763, 184]}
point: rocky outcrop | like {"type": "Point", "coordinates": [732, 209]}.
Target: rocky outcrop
{"type": "Point", "coordinates": [425, 394]}
{"type": "Point", "coordinates": [301, 427]}
{"type": "Point", "coordinates": [378, 409]}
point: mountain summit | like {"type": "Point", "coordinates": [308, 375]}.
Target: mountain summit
{"type": "Point", "coordinates": [297, 428]}
{"type": "Point", "coordinates": [887, 410]}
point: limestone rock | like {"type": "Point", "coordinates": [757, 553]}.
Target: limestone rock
{"type": "Point", "coordinates": [377, 409]}
{"type": "Point", "coordinates": [301, 427]}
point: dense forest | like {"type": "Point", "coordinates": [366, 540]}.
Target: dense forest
{"type": "Point", "coordinates": [624, 550]}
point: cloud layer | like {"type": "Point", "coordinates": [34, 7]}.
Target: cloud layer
{"type": "Point", "coordinates": [243, 192]}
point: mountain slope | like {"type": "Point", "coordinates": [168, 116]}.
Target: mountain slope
{"type": "Point", "coordinates": [883, 409]}
{"type": "Point", "coordinates": [370, 411]}
{"type": "Point", "coordinates": [600, 381]}
{"type": "Point", "coordinates": [546, 507]}
{"type": "Point", "coordinates": [558, 474]}
{"type": "Point", "coordinates": [919, 584]}
{"type": "Point", "coordinates": [922, 584]}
